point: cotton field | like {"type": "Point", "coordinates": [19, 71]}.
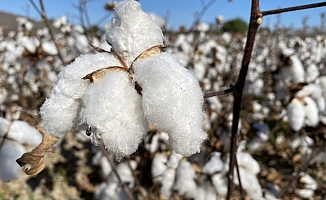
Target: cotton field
{"type": "Point", "coordinates": [130, 118]}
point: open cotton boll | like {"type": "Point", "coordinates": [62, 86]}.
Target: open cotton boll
{"type": "Point", "coordinates": [172, 101]}
{"type": "Point", "coordinates": [246, 161]}
{"type": "Point", "coordinates": [113, 106]}
{"type": "Point", "coordinates": [206, 192]}
{"type": "Point", "coordinates": [215, 164]}
{"type": "Point", "coordinates": [220, 183]}
{"type": "Point", "coordinates": [296, 114]}
{"type": "Point", "coordinates": [10, 152]}
{"type": "Point", "coordinates": [249, 183]}
{"type": "Point", "coordinates": [167, 182]}
{"type": "Point", "coordinates": [185, 180]}
{"type": "Point", "coordinates": [23, 133]}
{"type": "Point", "coordinates": [60, 111]}
{"type": "Point", "coordinates": [311, 112]}
{"type": "Point", "coordinates": [132, 31]}
{"type": "Point", "coordinates": [49, 48]}
{"type": "Point", "coordinates": [110, 190]}
{"type": "Point", "coordinates": [158, 166]}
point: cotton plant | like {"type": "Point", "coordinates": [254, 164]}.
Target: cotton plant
{"type": "Point", "coordinates": [13, 136]}
{"type": "Point", "coordinates": [118, 94]}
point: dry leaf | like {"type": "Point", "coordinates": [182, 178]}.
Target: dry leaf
{"type": "Point", "coordinates": [34, 160]}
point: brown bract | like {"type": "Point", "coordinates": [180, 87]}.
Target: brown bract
{"type": "Point", "coordinates": [35, 159]}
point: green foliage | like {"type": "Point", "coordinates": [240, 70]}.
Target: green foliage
{"type": "Point", "coordinates": [235, 26]}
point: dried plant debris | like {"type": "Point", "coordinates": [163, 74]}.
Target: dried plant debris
{"type": "Point", "coordinates": [34, 161]}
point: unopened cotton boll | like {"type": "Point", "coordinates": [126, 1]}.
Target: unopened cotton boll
{"type": "Point", "coordinates": [296, 114]}
{"type": "Point", "coordinates": [60, 111]}
{"type": "Point", "coordinates": [115, 111]}
{"type": "Point", "coordinates": [172, 101]}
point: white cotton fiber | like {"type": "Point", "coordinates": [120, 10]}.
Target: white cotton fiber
{"type": "Point", "coordinates": [23, 133]}
{"type": "Point", "coordinates": [215, 164]}
{"type": "Point", "coordinates": [132, 31]}
{"type": "Point", "coordinates": [113, 106]}
{"type": "Point", "coordinates": [220, 183]}
{"type": "Point", "coordinates": [158, 166]}
{"type": "Point", "coordinates": [206, 192]}
{"type": "Point", "coordinates": [296, 114]}
{"type": "Point", "coordinates": [60, 111]}
{"type": "Point", "coordinates": [185, 181]}
{"type": "Point", "coordinates": [249, 183]}
{"type": "Point", "coordinates": [172, 101]}
{"type": "Point", "coordinates": [167, 182]}
{"type": "Point", "coordinates": [311, 110]}
{"type": "Point", "coordinates": [10, 152]}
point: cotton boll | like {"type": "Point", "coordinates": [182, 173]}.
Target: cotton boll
{"type": "Point", "coordinates": [215, 164]}
{"type": "Point", "coordinates": [247, 162]}
{"type": "Point", "coordinates": [125, 173]}
{"type": "Point", "coordinates": [167, 182]}
{"type": "Point", "coordinates": [172, 101]}
{"type": "Point", "coordinates": [49, 48]}
{"type": "Point", "coordinates": [158, 166]}
{"type": "Point", "coordinates": [132, 31]}
{"type": "Point", "coordinates": [174, 160]}
{"type": "Point", "coordinates": [60, 111]}
{"type": "Point", "coordinates": [115, 111]}
{"type": "Point", "coordinates": [10, 152]}
{"type": "Point", "coordinates": [110, 190]}
{"type": "Point", "coordinates": [220, 183]}
{"type": "Point", "coordinates": [206, 192]}
{"type": "Point", "coordinates": [309, 186]}
{"type": "Point", "coordinates": [185, 180]}
{"type": "Point", "coordinates": [312, 73]}
{"type": "Point", "coordinates": [313, 90]}
{"type": "Point", "coordinates": [102, 161]}
{"type": "Point", "coordinates": [256, 87]}
{"type": "Point", "coordinates": [249, 183]}
{"type": "Point", "coordinates": [24, 133]}
{"type": "Point", "coordinates": [311, 112]}
{"type": "Point", "coordinates": [199, 69]}
{"type": "Point", "coordinates": [296, 114]}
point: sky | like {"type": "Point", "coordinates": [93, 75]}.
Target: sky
{"type": "Point", "coordinates": [178, 12]}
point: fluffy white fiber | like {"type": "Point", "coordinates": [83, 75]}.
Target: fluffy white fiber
{"type": "Point", "coordinates": [112, 105]}
{"type": "Point", "coordinates": [10, 152]}
{"type": "Point", "coordinates": [296, 114]}
{"type": "Point", "coordinates": [172, 101]}
{"type": "Point", "coordinates": [60, 111]}
{"type": "Point", "coordinates": [185, 181]}
{"type": "Point", "coordinates": [132, 31]}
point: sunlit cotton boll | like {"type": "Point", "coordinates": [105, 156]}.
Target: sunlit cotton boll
{"type": "Point", "coordinates": [172, 101]}
{"type": "Point", "coordinates": [311, 110]}
{"type": "Point", "coordinates": [113, 106]}
{"type": "Point", "coordinates": [10, 152]}
{"type": "Point", "coordinates": [60, 112]}
{"type": "Point", "coordinates": [158, 166]}
{"type": "Point", "coordinates": [132, 31]}
{"type": "Point", "coordinates": [167, 182]}
{"type": "Point", "coordinates": [185, 181]}
{"type": "Point", "coordinates": [296, 114]}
